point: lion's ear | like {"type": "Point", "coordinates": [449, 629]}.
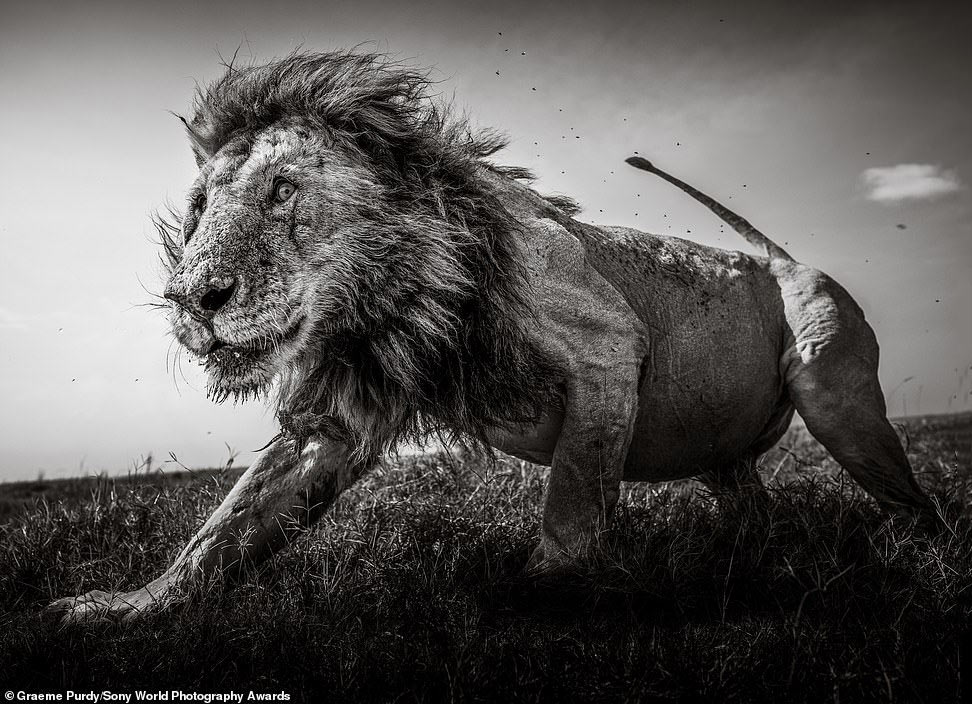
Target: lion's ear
{"type": "Point", "coordinates": [202, 148]}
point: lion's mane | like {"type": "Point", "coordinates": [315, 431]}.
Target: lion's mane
{"type": "Point", "coordinates": [432, 338]}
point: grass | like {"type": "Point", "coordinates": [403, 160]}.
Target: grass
{"type": "Point", "coordinates": [410, 590]}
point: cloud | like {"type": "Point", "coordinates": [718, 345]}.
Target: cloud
{"type": "Point", "coordinates": [892, 184]}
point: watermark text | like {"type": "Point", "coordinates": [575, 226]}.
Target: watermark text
{"type": "Point", "coordinates": [145, 695]}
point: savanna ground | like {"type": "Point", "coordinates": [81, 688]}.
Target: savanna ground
{"type": "Point", "coordinates": [409, 590]}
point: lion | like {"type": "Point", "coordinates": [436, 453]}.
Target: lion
{"type": "Point", "coordinates": [350, 251]}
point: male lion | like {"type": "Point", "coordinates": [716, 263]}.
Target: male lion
{"type": "Point", "coordinates": [348, 242]}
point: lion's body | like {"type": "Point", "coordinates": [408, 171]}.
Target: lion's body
{"type": "Point", "coordinates": [353, 244]}
{"type": "Point", "coordinates": [671, 302]}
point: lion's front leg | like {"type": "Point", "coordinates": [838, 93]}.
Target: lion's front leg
{"type": "Point", "coordinates": [275, 499]}
{"type": "Point", "coordinates": [585, 474]}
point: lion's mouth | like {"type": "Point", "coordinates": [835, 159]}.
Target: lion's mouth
{"type": "Point", "coordinates": [261, 349]}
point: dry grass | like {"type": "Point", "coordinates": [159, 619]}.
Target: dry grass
{"type": "Point", "coordinates": [410, 589]}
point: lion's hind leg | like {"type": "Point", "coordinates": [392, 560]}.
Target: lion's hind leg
{"type": "Point", "coordinates": [831, 377]}
{"type": "Point", "coordinates": [853, 428]}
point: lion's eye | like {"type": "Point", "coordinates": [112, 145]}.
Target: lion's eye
{"type": "Point", "coordinates": [199, 205]}
{"type": "Point", "coordinates": [282, 190]}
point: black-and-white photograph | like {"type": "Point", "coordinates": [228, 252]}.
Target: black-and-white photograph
{"type": "Point", "coordinates": [373, 351]}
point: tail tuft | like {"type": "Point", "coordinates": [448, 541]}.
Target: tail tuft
{"type": "Point", "coordinates": [640, 163]}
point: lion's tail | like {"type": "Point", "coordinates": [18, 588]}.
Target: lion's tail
{"type": "Point", "coordinates": [739, 224]}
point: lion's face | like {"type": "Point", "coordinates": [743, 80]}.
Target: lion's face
{"type": "Point", "coordinates": [266, 255]}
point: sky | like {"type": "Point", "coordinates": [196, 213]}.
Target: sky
{"type": "Point", "coordinates": [841, 132]}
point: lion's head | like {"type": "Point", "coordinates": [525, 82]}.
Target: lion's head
{"type": "Point", "coordinates": [340, 238]}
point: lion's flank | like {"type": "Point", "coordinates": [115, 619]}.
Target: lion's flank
{"type": "Point", "coordinates": [436, 341]}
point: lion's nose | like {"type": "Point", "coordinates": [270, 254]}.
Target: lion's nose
{"type": "Point", "coordinates": [205, 300]}
{"type": "Point", "coordinates": [217, 296]}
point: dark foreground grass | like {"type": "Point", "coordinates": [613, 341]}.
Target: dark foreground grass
{"type": "Point", "coordinates": [410, 590]}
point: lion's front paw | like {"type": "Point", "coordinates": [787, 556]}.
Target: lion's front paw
{"type": "Point", "coordinates": [98, 605]}
{"type": "Point", "coordinates": [545, 563]}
